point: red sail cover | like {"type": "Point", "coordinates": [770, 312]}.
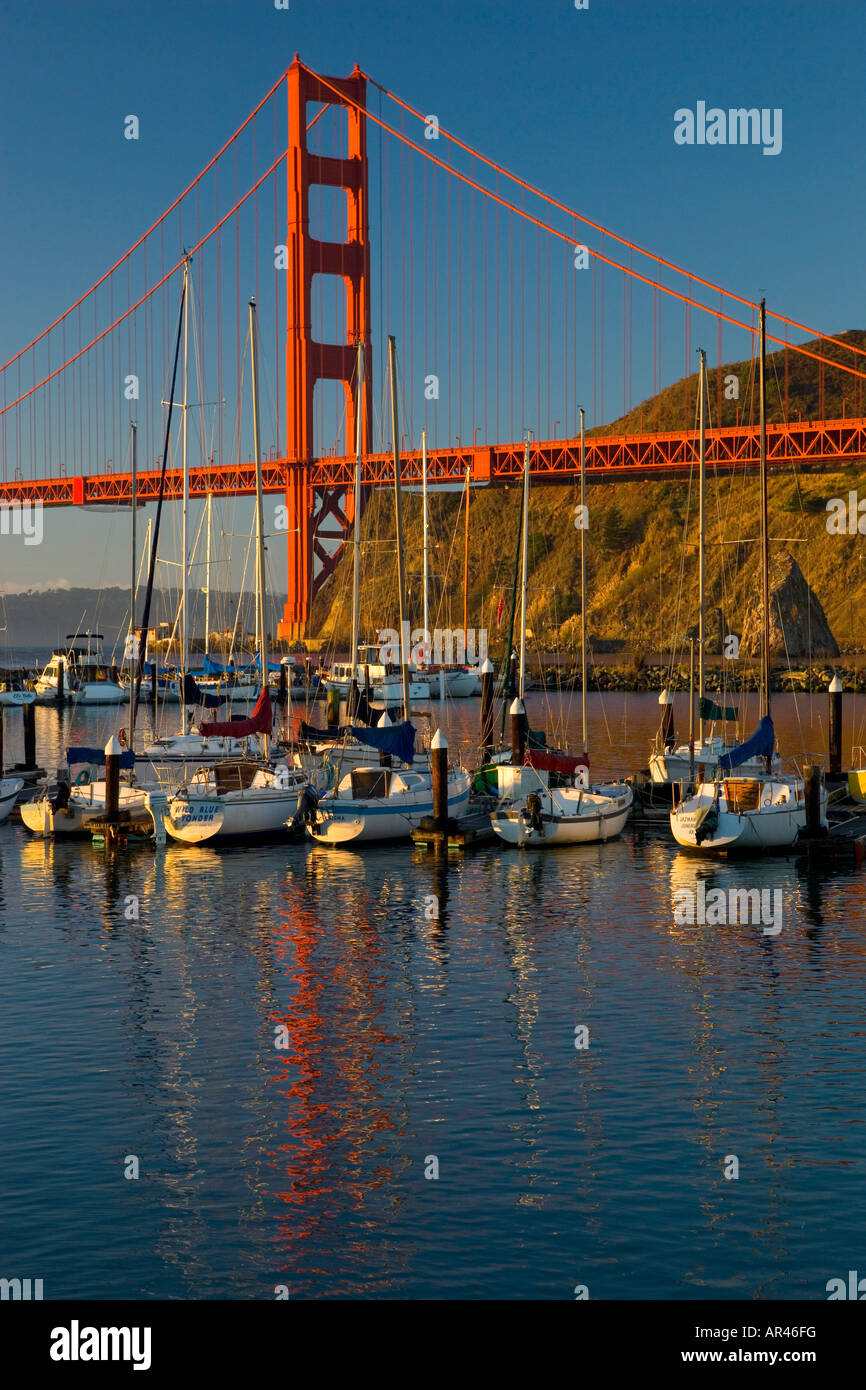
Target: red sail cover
{"type": "Point", "coordinates": [260, 721]}
{"type": "Point", "coordinates": [563, 763]}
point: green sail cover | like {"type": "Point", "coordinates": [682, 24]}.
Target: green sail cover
{"type": "Point", "coordinates": [708, 710]}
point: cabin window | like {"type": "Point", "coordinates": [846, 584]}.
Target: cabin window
{"type": "Point", "coordinates": [368, 782]}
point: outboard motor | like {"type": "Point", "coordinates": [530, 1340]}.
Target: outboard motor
{"type": "Point", "coordinates": [308, 806]}
{"type": "Point", "coordinates": [533, 812]}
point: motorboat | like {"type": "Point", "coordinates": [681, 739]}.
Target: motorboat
{"type": "Point", "coordinates": [87, 677]}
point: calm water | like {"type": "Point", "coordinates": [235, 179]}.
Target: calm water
{"type": "Point", "coordinates": [410, 1037]}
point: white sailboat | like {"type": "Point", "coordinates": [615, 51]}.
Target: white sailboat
{"type": "Point", "coordinates": [9, 789]}
{"type": "Point", "coordinates": [672, 764]}
{"type": "Point", "coordinates": [756, 811]}
{"type": "Point", "coordinates": [241, 797]}
{"type": "Point", "coordinates": [381, 803]}
{"type": "Point", "coordinates": [538, 806]}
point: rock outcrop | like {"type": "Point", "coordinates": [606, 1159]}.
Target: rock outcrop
{"type": "Point", "coordinates": [798, 625]}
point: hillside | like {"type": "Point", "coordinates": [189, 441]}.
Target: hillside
{"type": "Point", "coordinates": [641, 543]}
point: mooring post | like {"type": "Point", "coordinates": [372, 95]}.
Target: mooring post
{"type": "Point", "coordinates": [60, 692]}
{"type": "Point", "coordinates": [333, 708]}
{"type": "Point", "coordinates": [486, 710]}
{"type": "Point", "coordinates": [518, 733]}
{"type": "Point", "coordinates": [284, 684]}
{"type": "Point", "coordinates": [1, 741]}
{"type": "Point", "coordinates": [384, 722]}
{"type": "Point", "coordinates": [29, 715]}
{"type": "Point", "coordinates": [835, 726]}
{"type": "Point", "coordinates": [666, 700]}
{"type": "Point", "coordinates": [113, 753]}
{"type": "Point", "coordinates": [439, 758]}
{"type": "Point", "coordinates": [812, 792]}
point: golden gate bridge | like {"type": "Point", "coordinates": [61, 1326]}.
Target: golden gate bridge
{"type": "Point", "coordinates": [509, 306]}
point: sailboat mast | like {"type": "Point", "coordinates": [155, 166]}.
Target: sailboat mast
{"type": "Point", "coordinates": [133, 432]}
{"type": "Point", "coordinates": [260, 529]}
{"type": "Point", "coordinates": [524, 569]}
{"type": "Point", "coordinates": [583, 579]}
{"type": "Point", "coordinates": [426, 544]}
{"type": "Point", "coordinates": [184, 636]}
{"type": "Point", "coordinates": [398, 509]}
{"type": "Point", "coordinates": [356, 535]}
{"type": "Point", "coordinates": [466, 565]}
{"type": "Point", "coordinates": [702, 522]}
{"type": "Point", "coordinates": [207, 579]}
{"type": "Point", "coordinates": [765, 538]}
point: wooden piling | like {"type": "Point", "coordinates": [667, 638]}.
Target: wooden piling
{"type": "Point", "coordinates": [439, 761]}
{"type": "Point", "coordinates": [29, 715]}
{"type": "Point", "coordinates": [486, 711]}
{"type": "Point", "coordinates": [384, 722]}
{"type": "Point", "coordinates": [113, 753]}
{"type": "Point", "coordinates": [835, 727]}
{"type": "Point", "coordinates": [812, 794]}
{"type": "Point", "coordinates": [518, 733]}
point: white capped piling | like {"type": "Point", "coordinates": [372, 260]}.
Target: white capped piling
{"type": "Point", "coordinates": [666, 700]}
{"type": "Point", "coordinates": [113, 752]}
{"type": "Point", "coordinates": [835, 726]}
{"type": "Point", "coordinates": [518, 732]}
{"type": "Point", "coordinates": [486, 710]}
{"type": "Point", "coordinates": [439, 761]}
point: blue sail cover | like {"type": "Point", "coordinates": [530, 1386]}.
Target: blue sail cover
{"type": "Point", "coordinates": [398, 739]}
{"type": "Point", "coordinates": [760, 745]}
{"type": "Point", "coordinates": [96, 757]}
{"type": "Point", "coordinates": [272, 665]}
{"type": "Point", "coordinates": [215, 668]}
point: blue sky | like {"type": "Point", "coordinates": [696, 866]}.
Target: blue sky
{"type": "Point", "coordinates": [579, 102]}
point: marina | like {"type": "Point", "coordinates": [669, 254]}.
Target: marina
{"type": "Point", "coordinates": [432, 678]}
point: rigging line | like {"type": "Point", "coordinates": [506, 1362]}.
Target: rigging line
{"type": "Point", "coordinates": [596, 226]}
{"type": "Point", "coordinates": [167, 276]}
{"type": "Point", "coordinates": [179, 199]}
{"type": "Point", "coordinates": [607, 260]}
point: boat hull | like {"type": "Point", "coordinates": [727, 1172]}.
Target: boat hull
{"type": "Point", "coordinates": [361, 821]}
{"type": "Point", "coordinates": [9, 789]}
{"type": "Point", "coordinates": [598, 817]}
{"type": "Point", "coordinates": [85, 805]}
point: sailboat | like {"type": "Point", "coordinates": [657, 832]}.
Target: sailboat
{"type": "Point", "coordinates": [242, 797]}
{"type": "Point", "coordinates": [9, 789]}
{"type": "Point", "coordinates": [375, 802]}
{"type": "Point", "coordinates": [750, 812]}
{"type": "Point", "coordinates": [547, 801]}
{"type": "Point", "coordinates": [670, 764]}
